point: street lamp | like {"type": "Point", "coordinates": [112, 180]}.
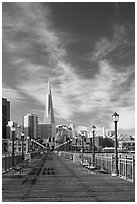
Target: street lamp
{"type": "Point", "coordinates": [70, 144]}
{"type": "Point", "coordinates": [28, 143]}
{"type": "Point", "coordinates": [22, 139]}
{"type": "Point", "coordinates": [93, 145]}
{"type": "Point", "coordinates": [82, 137]}
{"type": "Point", "coordinates": [90, 144]}
{"type": "Point", "coordinates": [67, 143]}
{"type": "Point", "coordinates": [13, 138]}
{"type": "Point", "coordinates": [115, 118]}
{"type": "Point", "coordinates": [64, 138]}
{"type": "Point", "coordinates": [76, 138]}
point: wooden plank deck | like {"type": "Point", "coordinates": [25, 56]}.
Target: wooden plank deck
{"type": "Point", "coordinates": [59, 179]}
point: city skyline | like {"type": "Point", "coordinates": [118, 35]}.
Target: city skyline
{"type": "Point", "coordinates": [86, 50]}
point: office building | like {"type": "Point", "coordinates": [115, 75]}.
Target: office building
{"type": "Point", "coordinates": [44, 131]}
{"type": "Point", "coordinates": [49, 111]}
{"type": "Point", "coordinates": [17, 129]}
{"type": "Point", "coordinates": [30, 126]}
{"type": "Point", "coordinates": [63, 133]}
{"type": "Point", "coordinates": [7, 143]}
{"type": "Point", "coordinates": [5, 116]}
{"type": "Point", "coordinates": [49, 119]}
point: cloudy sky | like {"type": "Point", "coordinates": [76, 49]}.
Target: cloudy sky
{"type": "Point", "coordinates": [87, 52]}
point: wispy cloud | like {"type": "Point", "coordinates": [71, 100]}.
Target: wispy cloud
{"type": "Point", "coordinates": [105, 45]}
{"type": "Point", "coordinates": [12, 95]}
{"type": "Point", "coordinates": [73, 94]}
{"type": "Point", "coordinates": [30, 31]}
{"type": "Point", "coordinates": [37, 52]}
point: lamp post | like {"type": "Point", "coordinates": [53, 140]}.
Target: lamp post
{"type": "Point", "coordinates": [28, 143]}
{"type": "Point", "coordinates": [90, 147]}
{"type": "Point", "coordinates": [67, 143]}
{"type": "Point", "coordinates": [115, 118]}
{"type": "Point", "coordinates": [70, 144]}
{"type": "Point", "coordinates": [13, 138]}
{"type": "Point", "coordinates": [64, 138]}
{"type": "Point", "coordinates": [93, 145]}
{"type": "Point", "coordinates": [22, 139]}
{"type": "Point", "coordinates": [76, 138]}
{"type": "Point", "coordinates": [82, 137]}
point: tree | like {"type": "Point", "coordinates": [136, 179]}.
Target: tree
{"type": "Point", "coordinates": [107, 142]}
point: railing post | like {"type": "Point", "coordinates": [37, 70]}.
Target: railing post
{"type": "Point", "coordinates": [107, 163]}
{"type": "Point", "coordinates": [8, 162]}
{"type": "Point", "coordinates": [102, 161]}
{"type": "Point", "coordinates": [133, 170]}
{"type": "Point", "coordinates": [99, 161]}
{"type": "Point", "coordinates": [5, 162]}
{"type": "Point", "coordinates": [126, 167]}
{"type": "Point", "coordinates": [119, 165]}
{"type": "Point", "coordinates": [89, 160]}
{"type": "Point", "coordinates": [13, 154]}
{"type": "Point", "coordinates": [111, 163]}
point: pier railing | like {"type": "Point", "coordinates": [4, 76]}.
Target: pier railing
{"type": "Point", "coordinates": [7, 160]}
{"type": "Point", "coordinates": [106, 163]}
{"type": "Point", "coordinates": [127, 168]}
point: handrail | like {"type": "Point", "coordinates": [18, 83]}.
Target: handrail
{"type": "Point", "coordinates": [38, 143]}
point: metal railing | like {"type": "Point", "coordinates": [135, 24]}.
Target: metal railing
{"type": "Point", "coordinates": [127, 168]}
{"type": "Point", "coordinates": [105, 162]}
{"type": "Point", "coordinates": [126, 165]}
{"type": "Point", "coordinates": [7, 161]}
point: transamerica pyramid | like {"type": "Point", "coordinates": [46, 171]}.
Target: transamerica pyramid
{"type": "Point", "coordinates": [49, 112]}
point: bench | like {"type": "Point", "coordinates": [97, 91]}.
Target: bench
{"type": "Point", "coordinates": [88, 166]}
{"type": "Point", "coordinates": [20, 167]}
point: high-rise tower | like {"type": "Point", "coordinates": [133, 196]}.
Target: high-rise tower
{"type": "Point", "coordinates": [49, 112]}
{"type": "Point", "coordinates": [5, 116]}
{"type": "Point", "coordinates": [49, 119]}
{"type": "Point", "coordinates": [30, 125]}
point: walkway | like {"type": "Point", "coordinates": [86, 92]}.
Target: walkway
{"type": "Point", "coordinates": [56, 179]}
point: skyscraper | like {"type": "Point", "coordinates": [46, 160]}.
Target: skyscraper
{"type": "Point", "coordinates": [49, 119]}
{"type": "Point", "coordinates": [49, 112]}
{"type": "Point", "coordinates": [30, 124]}
{"type": "Point", "coordinates": [5, 116]}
